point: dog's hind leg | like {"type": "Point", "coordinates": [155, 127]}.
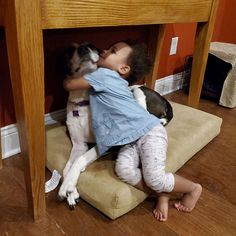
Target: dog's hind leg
{"type": "Point", "coordinates": [69, 183]}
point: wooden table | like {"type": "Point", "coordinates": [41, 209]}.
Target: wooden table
{"type": "Point", "coordinates": [24, 21]}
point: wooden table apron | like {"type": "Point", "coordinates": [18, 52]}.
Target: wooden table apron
{"type": "Point", "coordinates": [24, 22]}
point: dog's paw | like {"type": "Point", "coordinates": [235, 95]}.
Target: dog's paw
{"type": "Point", "coordinates": [66, 188]}
{"type": "Point", "coordinates": [163, 121]}
{"type": "Point", "coordinates": [73, 199]}
{"type": "Point", "coordinates": [68, 184]}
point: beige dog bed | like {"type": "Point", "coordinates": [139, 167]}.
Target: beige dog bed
{"type": "Point", "coordinates": [188, 132]}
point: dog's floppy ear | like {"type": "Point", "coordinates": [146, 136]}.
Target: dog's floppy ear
{"type": "Point", "coordinates": [69, 52]}
{"type": "Point", "coordinates": [92, 47]}
{"type": "Point", "coordinates": [99, 51]}
{"type": "Point", "coordinates": [71, 49]}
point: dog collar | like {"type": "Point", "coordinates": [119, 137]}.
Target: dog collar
{"type": "Point", "coordinates": [81, 103]}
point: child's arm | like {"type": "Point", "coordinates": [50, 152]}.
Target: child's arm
{"type": "Point", "coordinates": [71, 84]}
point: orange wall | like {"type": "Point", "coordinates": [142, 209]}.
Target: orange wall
{"type": "Point", "coordinates": [173, 64]}
{"type": "Point", "coordinates": [55, 41]}
{"type": "Point", "coordinates": [225, 25]}
{"type": "Point", "coordinates": [224, 31]}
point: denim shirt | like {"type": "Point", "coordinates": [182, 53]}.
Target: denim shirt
{"type": "Point", "coordinates": [117, 118]}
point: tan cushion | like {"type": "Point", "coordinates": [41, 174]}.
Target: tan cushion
{"type": "Point", "coordinates": [188, 132]}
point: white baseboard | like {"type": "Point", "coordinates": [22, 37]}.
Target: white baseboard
{"type": "Point", "coordinates": [9, 134]}
{"type": "Point", "coordinates": [170, 83]}
{"type": "Point", "coordinates": [10, 138]}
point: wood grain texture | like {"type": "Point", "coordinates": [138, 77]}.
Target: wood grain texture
{"type": "Point", "coordinates": [156, 39]}
{"type": "Point", "coordinates": [25, 53]}
{"type": "Point", "coordinates": [2, 15]}
{"type": "Point", "coordinates": [0, 151]}
{"type": "Point", "coordinates": [202, 44]}
{"type": "Point", "coordinates": [73, 14]}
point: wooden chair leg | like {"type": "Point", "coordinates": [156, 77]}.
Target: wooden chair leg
{"type": "Point", "coordinates": [25, 54]}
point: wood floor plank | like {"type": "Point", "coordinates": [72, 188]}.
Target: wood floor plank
{"type": "Point", "coordinates": [84, 220]}
{"type": "Point", "coordinates": [214, 166]}
{"type": "Point", "coordinates": [140, 221]}
{"type": "Point", "coordinates": [215, 214]}
{"type": "Point", "coordinates": [212, 216]}
{"type": "Point", "coordinates": [14, 217]}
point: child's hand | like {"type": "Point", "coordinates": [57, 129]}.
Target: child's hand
{"type": "Point", "coordinates": [74, 83]}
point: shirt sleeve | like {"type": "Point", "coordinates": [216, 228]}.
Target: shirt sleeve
{"type": "Point", "coordinates": [97, 80]}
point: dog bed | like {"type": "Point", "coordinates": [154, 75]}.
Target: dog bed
{"type": "Point", "coordinates": [188, 132]}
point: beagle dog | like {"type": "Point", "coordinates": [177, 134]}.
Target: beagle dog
{"type": "Point", "coordinates": [79, 60]}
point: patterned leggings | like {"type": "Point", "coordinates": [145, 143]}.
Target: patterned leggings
{"type": "Point", "coordinates": [149, 153]}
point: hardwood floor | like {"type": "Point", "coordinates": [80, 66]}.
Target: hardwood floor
{"type": "Point", "coordinates": [215, 214]}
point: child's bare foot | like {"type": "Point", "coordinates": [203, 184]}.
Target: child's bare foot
{"type": "Point", "coordinates": [189, 200]}
{"type": "Point", "coordinates": [161, 210]}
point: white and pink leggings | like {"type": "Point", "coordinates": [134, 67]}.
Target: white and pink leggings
{"type": "Point", "coordinates": [146, 159]}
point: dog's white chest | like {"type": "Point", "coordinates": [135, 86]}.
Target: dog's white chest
{"type": "Point", "coordinates": [79, 116]}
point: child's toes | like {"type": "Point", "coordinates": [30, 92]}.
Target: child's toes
{"type": "Point", "coordinates": [186, 209]}
{"type": "Point", "coordinates": [181, 207]}
{"type": "Point", "coordinates": [156, 214]}
{"type": "Point", "coordinates": [177, 205]}
{"type": "Point", "coordinates": [159, 215]}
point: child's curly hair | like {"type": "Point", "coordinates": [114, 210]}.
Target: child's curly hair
{"type": "Point", "coordinates": [139, 62]}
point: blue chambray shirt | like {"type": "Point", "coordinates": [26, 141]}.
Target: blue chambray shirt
{"type": "Point", "coordinates": [117, 118]}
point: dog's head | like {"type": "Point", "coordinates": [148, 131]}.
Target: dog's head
{"type": "Point", "coordinates": [81, 59]}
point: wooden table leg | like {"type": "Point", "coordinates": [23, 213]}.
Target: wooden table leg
{"type": "Point", "coordinates": [0, 149]}
{"type": "Point", "coordinates": [156, 39]}
{"type": "Point", "coordinates": [202, 44]}
{"type": "Point", "coordinates": [25, 54]}
{"type": "Point", "coordinates": [1, 123]}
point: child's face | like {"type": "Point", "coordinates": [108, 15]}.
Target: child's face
{"type": "Point", "coordinates": [115, 58]}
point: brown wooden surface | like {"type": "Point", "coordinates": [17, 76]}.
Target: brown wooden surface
{"type": "Point", "coordinates": [0, 151]}
{"type": "Point", "coordinates": [0, 140]}
{"type": "Point", "coordinates": [1, 23]}
{"type": "Point", "coordinates": [73, 14]}
{"type": "Point", "coordinates": [214, 215]}
{"type": "Point", "coordinates": [25, 53]}
{"type": "Point", "coordinates": [202, 44]}
{"type": "Point", "coordinates": [24, 21]}
{"type": "Point", "coordinates": [156, 39]}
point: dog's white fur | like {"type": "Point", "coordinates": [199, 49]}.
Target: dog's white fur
{"type": "Point", "coordinates": [80, 158]}
{"type": "Point", "coordinates": [81, 134]}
